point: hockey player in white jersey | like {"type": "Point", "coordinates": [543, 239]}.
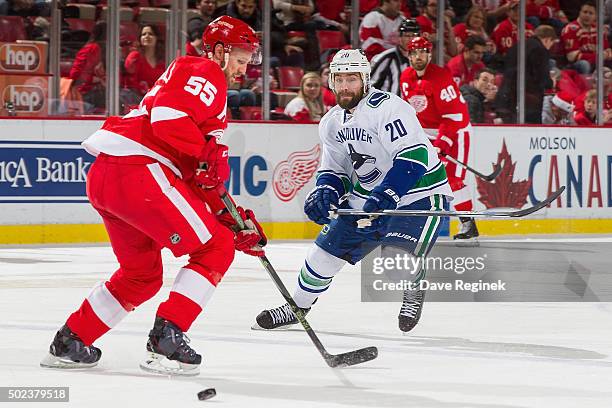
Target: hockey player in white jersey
{"type": "Point", "coordinates": [375, 157]}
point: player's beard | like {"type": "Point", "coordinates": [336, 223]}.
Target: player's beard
{"type": "Point", "coordinates": [419, 65]}
{"type": "Point", "coordinates": [351, 103]}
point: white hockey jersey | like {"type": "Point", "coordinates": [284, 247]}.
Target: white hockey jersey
{"type": "Point", "coordinates": [360, 147]}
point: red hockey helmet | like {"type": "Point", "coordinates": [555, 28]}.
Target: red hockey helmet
{"type": "Point", "coordinates": [231, 32]}
{"type": "Point", "coordinates": [419, 43]}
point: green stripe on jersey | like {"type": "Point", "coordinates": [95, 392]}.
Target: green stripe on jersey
{"type": "Point", "coordinates": [434, 177]}
{"type": "Point", "coordinates": [415, 153]}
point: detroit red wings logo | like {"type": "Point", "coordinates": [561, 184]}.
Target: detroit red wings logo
{"type": "Point", "coordinates": [292, 174]}
{"type": "Point", "coordinates": [418, 102]}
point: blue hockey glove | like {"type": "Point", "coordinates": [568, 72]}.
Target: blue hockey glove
{"type": "Point", "coordinates": [381, 198]}
{"type": "Point", "coordinates": [319, 203]}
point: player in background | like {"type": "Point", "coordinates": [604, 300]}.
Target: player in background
{"type": "Point", "coordinates": [443, 113]}
{"type": "Point", "coordinates": [154, 183]}
{"type": "Point", "coordinates": [375, 156]}
{"type": "Point", "coordinates": [388, 65]}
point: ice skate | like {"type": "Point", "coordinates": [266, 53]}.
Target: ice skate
{"type": "Point", "coordinates": [410, 312]}
{"type": "Point", "coordinates": [468, 233]}
{"type": "Point", "coordinates": [168, 351]}
{"type": "Point", "coordinates": [279, 318]}
{"type": "Point", "coordinates": [68, 351]}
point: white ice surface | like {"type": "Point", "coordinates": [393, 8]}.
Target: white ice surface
{"type": "Point", "coordinates": [484, 355]}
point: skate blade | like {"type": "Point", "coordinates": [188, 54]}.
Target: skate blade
{"type": "Point", "coordinates": [467, 243]}
{"type": "Point", "coordinates": [159, 364]}
{"type": "Point", "coordinates": [288, 327]}
{"type": "Point", "coordinates": [51, 361]}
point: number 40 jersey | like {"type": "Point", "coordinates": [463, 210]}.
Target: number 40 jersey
{"type": "Point", "coordinates": [360, 147]}
{"type": "Point", "coordinates": [186, 106]}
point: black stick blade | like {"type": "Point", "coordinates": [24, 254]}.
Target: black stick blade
{"type": "Point", "coordinates": [352, 357]}
{"type": "Point", "coordinates": [540, 205]}
{"type": "Point", "coordinates": [493, 176]}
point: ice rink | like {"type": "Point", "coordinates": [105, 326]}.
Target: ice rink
{"type": "Point", "coordinates": [484, 355]}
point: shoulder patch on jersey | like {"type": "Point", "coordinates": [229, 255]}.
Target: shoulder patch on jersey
{"type": "Point", "coordinates": [376, 99]}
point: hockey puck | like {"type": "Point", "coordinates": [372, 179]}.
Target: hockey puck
{"type": "Point", "coordinates": [207, 394]}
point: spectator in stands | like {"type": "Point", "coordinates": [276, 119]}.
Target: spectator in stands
{"type": "Point", "coordinates": [296, 15]}
{"type": "Point", "coordinates": [428, 22]}
{"type": "Point", "coordinates": [329, 99]}
{"type": "Point", "coordinates": [25, 8]}
{"type": "Point", "coordinates": [537, 77]}
{"type": "Point", "coordinates": [308, 105]}
{"type": "Point", "coordinates": [505, 33]}
{"type": "Point", "coordinates": [607, 88]}
{"type": "Point", "coordinates": [461, 8]}
{"type": "Point", "coordinates": [546, 12]}
{"type": "Point", "coordinates": [480, 94]}
{"type": "Point", "coordinates": [388, 65]}
{"type": "Point", "coordinates": [588, 116]}
{"type": "Point", "coordinates": [465, 65]}
{"type": "Point", "coordinates": [207, 10]}
{"type": "Point", "coordinates": [495, 9]}
{"type": "Point", "coordinates": [88, 70]}
{"type": "Point", "coordinates": [330, 14]}
{"type": "Point", "coordinates": [245, 10]}
{"type": "Point", "coordinates": [379, 28]}
{"type": "Point", "coordinates": [558, 109]}
{"type": "Point", "coordinates": [474, 25]}
{"type": "Point", "coordinates": [144, 65]}
{"type": "Point", "coordinates": [195, 30]}
{"type": "Point", "coordinates": [579, 39]}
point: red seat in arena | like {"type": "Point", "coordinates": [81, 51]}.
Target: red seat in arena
{"type": "Point", "coordinates": [80, 24]}
{"type": "Point", "coordinates": [250, 113]}
{"type": "Point", "coordinates": [12, 28]}
{"type": "Point", "coordinates": [329, 39]}
{"type": "Point", "coordinates": [290, 77]}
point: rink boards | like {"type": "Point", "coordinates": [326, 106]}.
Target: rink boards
{"type": "Point", "coordinates": [43, 170]}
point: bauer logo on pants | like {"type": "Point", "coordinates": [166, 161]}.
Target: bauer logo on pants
{"type": "Point", "coordinates": [175, 239]}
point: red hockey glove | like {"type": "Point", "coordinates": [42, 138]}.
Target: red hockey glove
{"type": "Point", "coordinates": [443, 145]}
{"type": "Point", "coordinates": [214, 166]}
{"type": "Point", "coordinates": [250, 240]}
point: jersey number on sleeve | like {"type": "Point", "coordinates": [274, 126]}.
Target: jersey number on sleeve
{"type": "Point", "coordinates": [448, 94]}
{"type": "Point", "coordinates": [199, 86]}
{"type": "Point", "coordinates": [396, 126]}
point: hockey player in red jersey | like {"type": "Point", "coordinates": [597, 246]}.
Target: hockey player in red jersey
{"type": "Point", "coordinates": [444, 116]}
{"type": "Point", "coordinates": [154, 182]}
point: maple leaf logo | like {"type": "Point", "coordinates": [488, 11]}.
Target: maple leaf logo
{"type": "Point", "coordinates": [503, 191]}
{"type": "Point", "coordinates": [292, 174]}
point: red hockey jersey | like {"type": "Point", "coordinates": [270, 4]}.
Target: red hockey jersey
{"type": "Point", "coordinates": [186, 106]}
{"type": "Point", "coordinates": [436, 99]}
{"type": "Point", "coordinates": [505, 35]}
{"type": "Point", "coordinates": [574, 37]}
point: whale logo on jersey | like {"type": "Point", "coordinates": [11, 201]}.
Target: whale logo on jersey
{"type": "Point", "coordinates": [418, 102]}
{"type": "Point", "coordinates": [359, 160]}
{"type": "Point", "coordinates": [292, 174]}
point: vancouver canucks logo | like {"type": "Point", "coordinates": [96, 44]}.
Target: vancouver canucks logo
{"type": "Point", "coordinates": [359, 160]}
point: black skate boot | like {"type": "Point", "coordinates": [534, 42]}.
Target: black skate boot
{"type": "Point", "coordinates": [168, 351]}
{"type": "Point", "coordinates": [68, 351]}
{"type": "Point", "coordinates": [468, 232]}
{"type": "Point", "coordinates": [410, 312]}
{"type": "Point", "coordinates": [277, 318]}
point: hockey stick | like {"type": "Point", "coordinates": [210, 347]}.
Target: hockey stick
{"type": "Point", "coordinates": [483, 214]}
{"type": "Point", "coordinates": [489, 177]}
{"type": "Point", "coordinates": [333, 360]}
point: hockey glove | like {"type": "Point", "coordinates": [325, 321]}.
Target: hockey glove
{"type": "Point", "coordinates": [214, 166]}
{"type": "Point", "coordinates": [319, 202]}
{"type": "Point", "coordinates": [381, 198]}
{"type": "Point", "coordinates": [443, 145]}
{"type": "Point", "coordinates": [250, 240]}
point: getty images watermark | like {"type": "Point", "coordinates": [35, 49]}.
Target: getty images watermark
{"type": "Point", "coordinates": [548, 270]}
{"type": "Point", "coordinates": [401, 271]}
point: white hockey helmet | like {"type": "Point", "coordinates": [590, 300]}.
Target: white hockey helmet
{"type": "Point", "coordinates": [348, 61]}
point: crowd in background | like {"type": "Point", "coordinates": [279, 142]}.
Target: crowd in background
{"type": "Point", "coordinates": [480, 51]}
